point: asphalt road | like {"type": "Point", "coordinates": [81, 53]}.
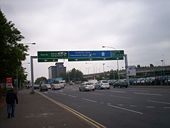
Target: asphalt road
{"type": "Point", "coordinates": [119, 107]}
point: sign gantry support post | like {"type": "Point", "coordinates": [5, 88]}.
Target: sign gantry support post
{"type": "Point", "coordinates": [126, 67]}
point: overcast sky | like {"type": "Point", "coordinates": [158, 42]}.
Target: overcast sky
{"type": "Point", "coordinates": [139, 27]}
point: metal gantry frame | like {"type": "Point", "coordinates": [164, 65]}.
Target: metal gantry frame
{"type": "Point", "coordinates": [35, 57]}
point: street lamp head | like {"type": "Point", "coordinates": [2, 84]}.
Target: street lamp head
{"type": "Point", "coordinates": [29, 43]}
{"type": "Point", "coordinates": [108, 47]}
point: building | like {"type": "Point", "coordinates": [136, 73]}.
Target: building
{"type": "Point", "coordinates": [56, 71]}
{"type": "Point", "coordinates": [141, 72]}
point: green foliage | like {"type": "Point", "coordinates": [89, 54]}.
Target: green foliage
{"type": "Point", "coordinates": [11, 52]}
{"type": "Point", "coordinates": [41, 80]}
{"type": "Point", "coordinates": [74, 75]}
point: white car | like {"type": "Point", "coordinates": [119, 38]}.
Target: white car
{"type": "Point", "coordinates": [36, 86]}
{"type": "Point", "coordinates": [103, 84]}
{"type": "Point", "coordinates": [86, 86]}
{"type": "Point", "coordinates": [48, 86]}
{"type": "Point", "coordinates": [55, 86]}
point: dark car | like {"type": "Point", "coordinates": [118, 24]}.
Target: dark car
{"type": "Point", "coordinates": [43, 88]}
{"type": "Point", "coordinates": [120, 84]}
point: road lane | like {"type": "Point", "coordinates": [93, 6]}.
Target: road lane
{"type": "Point", "coordinates": [110, 107]}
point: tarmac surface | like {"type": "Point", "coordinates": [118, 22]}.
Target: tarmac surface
{"type": "Point", "coordinates": [35, 111]}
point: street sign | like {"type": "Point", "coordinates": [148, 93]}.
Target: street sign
{"type": "Point", "coordinates": [51, 56]}
{"type": "Point", "coordinates": [95, 55]}
{"type": "Point", "coordinates": [9, 82]}
{"type": "Point", "coordinates": [131, 71]}
{"type": "Point", "coordinates": [117, 54]}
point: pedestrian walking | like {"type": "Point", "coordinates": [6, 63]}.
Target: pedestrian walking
{"type": "Point", "coordinates": [11, 100]}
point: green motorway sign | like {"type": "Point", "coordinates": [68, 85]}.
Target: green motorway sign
{"type": "Point", "coordinates": [51, 56]}
{"type": "Point", "coordinates": [117, 55]}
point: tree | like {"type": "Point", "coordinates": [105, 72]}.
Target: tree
{"type": "Point", "coordinates": [74, 75]}
{"type": "Point", "coordinates": [41, 80]}
{"type": "Point", "coordinates": [12, 53]}
{"type": "Point", "coordinates": [151, 65]}
{"type": "Point", "coordinates": [138, 66]}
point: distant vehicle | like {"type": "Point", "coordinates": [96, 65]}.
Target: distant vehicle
{"type": "Point", "coordinates": [62, 84]}
{"type": "Point", "coordinates": [28, 86]}
{"type": "Point", "coordinates": [71, 83]}
{"type": "Point", "coordinates": [87, 86]}
{"type": "Point", "coordinates": [36, 86]}
{"type": "Point", "coordinates": [48, 86]}
{"type": "Point", "coordinates": [43, 87]}
{"type": "Point", "coordinates": [111, 82]}
{"type": "Point", "coordinates": [102, 84]}
{"type": "Point", "coordinates": [57, 85]}
{"type": "Point", "coordinates": [120, 84]}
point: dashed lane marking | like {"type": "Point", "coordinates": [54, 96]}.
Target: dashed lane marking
{"type": "Point", "coordinates": [89, 100]}
{"type": "Point", "coordinates": [160, 102]}
{"type": "Point", "coordinates": [150, 94]}
{"type": "Point", "coordinates": [72, 96]}
{"type": "Point", "coordinates": [150, 106]}
{"type": "Point", "coordinates": [166, 107]}
{"type": "Point", "coordinates": [118, 91]}
{"type": "Point", "coordinates": [126, 109]}
{"type": "Point", "coordinates": [123, 97]}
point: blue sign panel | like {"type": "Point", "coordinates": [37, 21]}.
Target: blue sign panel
{"type": "Point", "coordinates": [89, 54]}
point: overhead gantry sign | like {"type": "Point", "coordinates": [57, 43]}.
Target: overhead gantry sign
{"type": "Point", "coordinates": [53, 56]}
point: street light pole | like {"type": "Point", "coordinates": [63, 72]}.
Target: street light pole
{"type": "Point", "coordinates": [103, 70]}
{"type": "Point", "coordinates": [118, 70]}
{"type": "Point", "coordinates": [32, 73]}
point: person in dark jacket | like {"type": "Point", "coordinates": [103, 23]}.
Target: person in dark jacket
{"type": "Point", "coordinates": [11, 99]}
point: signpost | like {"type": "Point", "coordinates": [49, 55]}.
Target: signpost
{"type": "Point", "coordinates": [89, 55]}
{"type": "Point", "coordinates": [9, 82]}
{"type": "Point", "coordinates": [53, 56]}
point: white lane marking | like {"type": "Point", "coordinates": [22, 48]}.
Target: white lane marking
{"type": "Point", "coordinates": [132, 105]}
{"type": "Point", "coordinates": [72, 96]}
{"type": "Point", "coordinates": [121, 97]}
{"type": "Point", "coordinates": [120, 104]}
{"type": "Point", "coordinates": [118, 91]}
{"type": "Point", "coordinates": [63, 94]}
{"type": "Point", "coordinates": [126, 109]}
{"type": "Point", "coordinates": [160, 102]}
{"type": "Point", "coordinates": [101, 102]}
{"type": "Point", "coordinates": [150, 106]}
{"type": "Point", "coordinates": [90, 100]}
{"type": "Point", "coordinates": [166, 107]}
{"type": "Point", "coordinates": [151, 94]}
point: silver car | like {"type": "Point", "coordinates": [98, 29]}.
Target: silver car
{"type": "Point", "coordinates": [102, 84]}
{"type": "Point", "coordinates": [87, 86]}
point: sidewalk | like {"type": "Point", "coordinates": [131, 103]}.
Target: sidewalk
{"type": "Point", "coordinates": [34, 111]}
